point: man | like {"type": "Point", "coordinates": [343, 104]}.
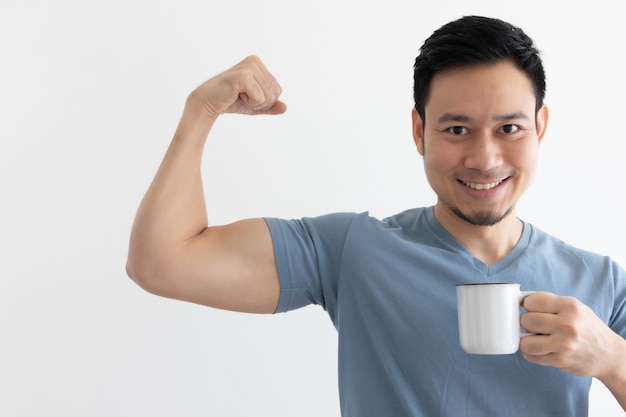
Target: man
{"type": "Point", "coordinates": [389, 285]}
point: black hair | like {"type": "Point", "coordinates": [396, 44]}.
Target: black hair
{"type": "Point", "coordinates": [474, 40]}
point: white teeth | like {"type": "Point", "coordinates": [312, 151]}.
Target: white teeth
{"type": "Point", "coordinates": [480, 186]}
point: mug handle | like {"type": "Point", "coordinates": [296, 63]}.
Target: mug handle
{"type": "Point", "coordinates": [522, 295]}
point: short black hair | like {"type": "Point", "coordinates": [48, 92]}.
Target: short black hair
{"type": "Point", "coordinates": [474, 40]}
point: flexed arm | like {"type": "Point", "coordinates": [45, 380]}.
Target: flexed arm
{"type": "Point", "coordinates": [173, 252]}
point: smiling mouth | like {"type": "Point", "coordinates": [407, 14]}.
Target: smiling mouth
{"type": "Point", "coordinates": [482, 186]}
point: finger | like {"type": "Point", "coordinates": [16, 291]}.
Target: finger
{"type": "Point", "coordinates": [253, 95]}
{"type": "Point", "coordinates": [548, 359]}
{"type": "Point", "coordinates": [263, 89]}
{"type": "Point", "coordinates": [537, 345]}
{"type": "Point", "coordinates": [554, 351]}
{"type": "Point", "coordinates": [541, 302]}
{"type": "Point", "coordinates": [540, 323]}
{"type": "Point", "coordinates": [271, 108]}
{"type": "Point", "coordinates": [260, 94]}
{"type": "Point", "coordinates": [251, 98]}
{"type": "Point", "coordinates": [269, 88]}
{"type": "Point", "coordinates": [265, 78]}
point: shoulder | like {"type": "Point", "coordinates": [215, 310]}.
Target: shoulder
{"type": "Point", "coordinates": [408, 218]}
{"type": "Point", "coordinates": [552, 246]}
{"type": "Point", "coordinates": [341, 224]}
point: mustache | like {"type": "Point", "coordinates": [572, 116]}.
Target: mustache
{"type": "Point", "coordinates": [473, 175]}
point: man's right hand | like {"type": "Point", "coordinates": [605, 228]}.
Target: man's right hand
{"type": "Point", "coordinates": [246, 88]}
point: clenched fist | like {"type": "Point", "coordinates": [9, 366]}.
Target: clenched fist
{"type": "Point", "coordinates": [246, 88]}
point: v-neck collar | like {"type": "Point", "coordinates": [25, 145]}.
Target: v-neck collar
{"type": "Point", "coordinates": [451, 243]}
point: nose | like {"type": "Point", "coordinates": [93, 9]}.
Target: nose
{"type": "Point", "coordinates": [484, 152]}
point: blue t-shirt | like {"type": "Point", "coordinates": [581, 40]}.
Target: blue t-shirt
{"type": "Point", "coordinates": [389, 289]}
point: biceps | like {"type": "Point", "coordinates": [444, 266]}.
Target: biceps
{"type": "Point", "coordinates": [229, 267]}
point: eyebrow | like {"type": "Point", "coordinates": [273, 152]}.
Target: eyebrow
{"type": "Point", "coordinates": [511, 116]}
{"type": "Point", "coordinates": [457, 117]}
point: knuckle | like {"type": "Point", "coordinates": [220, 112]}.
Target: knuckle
{"type": "Point", "coordinates": [245, 72]}
{"type": "Point", "coordinates": [568, 343]}
{"type": "Point", "coordinates": [570, 304]}
{"type": "Point", "coordinates": [570, 329]}
{"type": "Point", "coordinates": [253, 59]}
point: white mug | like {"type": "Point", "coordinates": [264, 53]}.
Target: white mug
{"type": "Point", "coordinates": [489, 317]}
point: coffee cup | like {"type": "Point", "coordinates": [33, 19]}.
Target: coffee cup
{"type": "Point", "coordinates": [489, 317]}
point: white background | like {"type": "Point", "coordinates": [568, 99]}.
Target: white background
{"type": "Point", "coordinates": [90, 94]}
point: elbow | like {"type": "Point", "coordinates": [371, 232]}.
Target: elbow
{"type": "Point", "coordinates": [145, 273]}
{"type": "Point", "coordinates": [133, 271]}
{"type": "Point", "coordinates": [136, 272]}
{"type": "Point", "coordinates": [157, 269]}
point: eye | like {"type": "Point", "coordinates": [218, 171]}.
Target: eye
{"type": "Point", "coordinates": [508, 129]}
{"type": "Point", "coordinates": [457, 130]}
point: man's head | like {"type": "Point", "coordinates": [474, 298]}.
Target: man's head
{"type": "Point", "coordinates": [474, 40]}
{"type": "Point", "coordinates": [479, 119]}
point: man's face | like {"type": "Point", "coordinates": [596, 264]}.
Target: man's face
{"type": "Point", "coordinates": [480, 141]}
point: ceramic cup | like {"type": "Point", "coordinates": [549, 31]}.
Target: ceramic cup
{"type": "Point", "coordinates": [489, 317]}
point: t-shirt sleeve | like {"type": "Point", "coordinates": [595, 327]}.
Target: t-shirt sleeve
{"type": "Point", "coordinates": [308, 255]}
{"type": "Point", "coordinates": [618, 317]}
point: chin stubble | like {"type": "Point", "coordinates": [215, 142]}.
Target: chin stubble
{"type": "Point", "coordinates": [481, 218]}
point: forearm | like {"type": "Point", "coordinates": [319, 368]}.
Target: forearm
{"type": "Point", "coordinates": [173, 209]}
{"type": "Point", "coordinates": [615, 380]}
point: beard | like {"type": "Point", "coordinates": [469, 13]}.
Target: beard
{"type": "Point", "coordinates": [481, 218]}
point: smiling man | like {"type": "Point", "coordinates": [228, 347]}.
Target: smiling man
{"type": "Point", "coordinates": [389, 285]}
{"type": "Point", "coordinates": [479, 135]}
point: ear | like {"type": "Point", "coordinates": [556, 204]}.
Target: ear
{"type": "Point", "coordinates": [418, 131]}
{"type": "Point", "coordinates": [542, 122]}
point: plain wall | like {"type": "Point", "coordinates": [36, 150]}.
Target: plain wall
{"type": "Point", "coordinates": [90, 94]}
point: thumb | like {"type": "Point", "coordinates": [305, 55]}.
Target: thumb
{"type": "Point", "coordinates": [278, 108]}
{"type": "Point", "coordinates": [260, 106]}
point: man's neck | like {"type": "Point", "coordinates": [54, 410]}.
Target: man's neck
{"type": "Point", "coordinates": [489, 244]}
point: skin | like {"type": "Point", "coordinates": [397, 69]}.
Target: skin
{"type": "Point", "coordinates": [173, 252]}
{"type": "Point", "coordinates": [480, 132]}
{"type": "Point", "coordinates": [480, 129]}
